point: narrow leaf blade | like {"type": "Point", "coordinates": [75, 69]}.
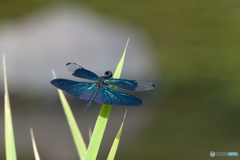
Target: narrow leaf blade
{"type": "Point", "coordinates": [37, 157]}
{"type": "Point", "coordinates": [9, 135]}
{"type": "Point", "coordinates": [101, 123]}
{"type": "Point", "coordinates": [90, 133]}
{"type": "Point", "coordinates": [77, 136]}
{"type": "Point", "coordinates": [118, 70]}
{"type": "Point", "coordinates": [113, 150]}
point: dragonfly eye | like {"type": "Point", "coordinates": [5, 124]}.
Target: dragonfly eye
{"type": "Point", "coordinates": [108, 74]}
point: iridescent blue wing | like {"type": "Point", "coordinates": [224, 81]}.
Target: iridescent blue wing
{"type": "Point", "coordinates": [131, 84]}
{"type": "Point", "coordinates": [107, 95]}
{"type": "Point", "coordinates": [80, 72]}
{"type": "Point", "coordinates": [83, 90]}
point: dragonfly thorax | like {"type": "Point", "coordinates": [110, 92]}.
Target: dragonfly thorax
{"type": "Point", "coordinates": [100, 81]}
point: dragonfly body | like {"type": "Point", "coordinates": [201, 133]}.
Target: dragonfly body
{"type": "Point", "coordinates": [100, 91]}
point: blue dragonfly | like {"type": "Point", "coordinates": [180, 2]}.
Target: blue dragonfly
{"type": "Point", "coordinates": [100, 91]}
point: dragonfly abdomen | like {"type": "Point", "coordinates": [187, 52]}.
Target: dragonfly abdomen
{"type": "Point", "coordinates": [93, 97]}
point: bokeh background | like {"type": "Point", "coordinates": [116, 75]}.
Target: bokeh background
{"type": "Point", "coordinates": [189, 49]}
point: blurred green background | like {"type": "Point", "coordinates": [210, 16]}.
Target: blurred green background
{"type": "Point", "coordinates": [195, 110]}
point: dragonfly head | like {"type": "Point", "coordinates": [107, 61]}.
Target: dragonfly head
{"type": "Point", "coordinates": [108, 74]}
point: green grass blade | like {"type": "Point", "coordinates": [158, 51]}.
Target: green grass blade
{"type": "Point", "coordinates": [77, 136]}
{"type": "Point", "coordinates": [118, 70]}
{"type": "Point", "coordinates": [113, 150]}
{"type": "Point", "coordinates": [90, 133]}
{"type": "Point", "coordinates": [102, 118]}
{"type": "Point", "coordinates": [37, 157]}
{"type": "Point", "coordinates": [9, 135]}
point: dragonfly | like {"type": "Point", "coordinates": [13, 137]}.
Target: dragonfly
{"type": "Point", "coordinates": [100, 90]}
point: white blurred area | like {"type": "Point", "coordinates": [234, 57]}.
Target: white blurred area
{"type": "Point", "coordinates": [48, 39]}
{"type": "Point", "coordinates": [51, 37]}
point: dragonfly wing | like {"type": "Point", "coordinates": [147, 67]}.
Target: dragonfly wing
{"type": "Point", "coordinates": [80, 72]}
{"type": "Point", "coordinates": [110, 96]}
{"type": "Point", "coordinates": [131, 84]}
{"type": "Point", "coordinates": [83, 90]}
